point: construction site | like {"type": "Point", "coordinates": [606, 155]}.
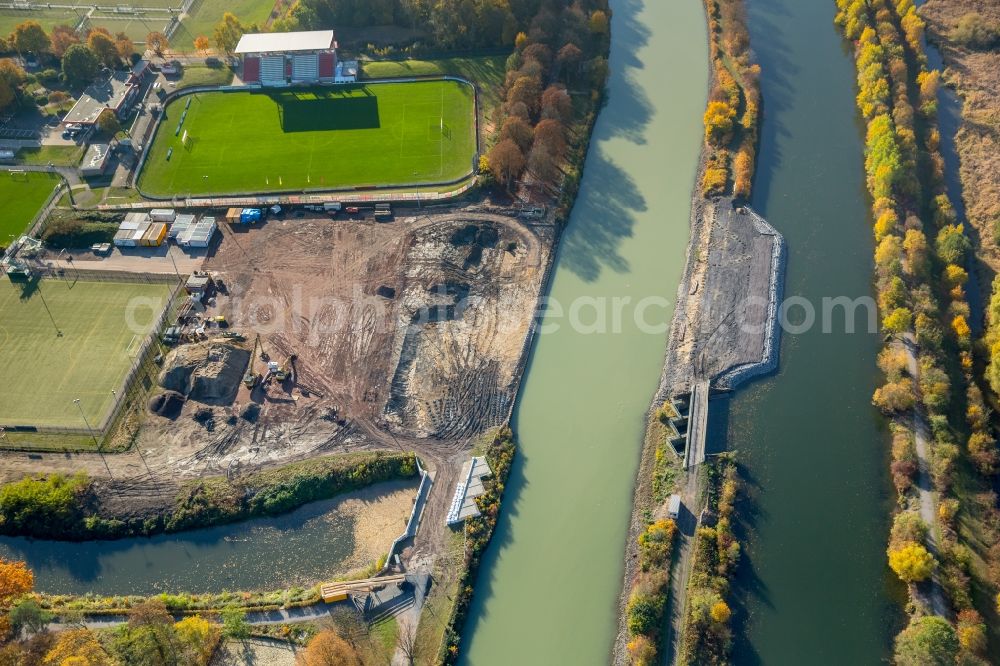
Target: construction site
{"type": "Point", "coordinates": [307, 335]}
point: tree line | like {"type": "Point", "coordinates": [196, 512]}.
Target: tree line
{"type": "Point", "coordinates": [733, 111]}
{"type": "Point", "coordinates": [60, 507]}
{"type": "Point", "coordinates": [561, 54]}
{"type": "Point", "coordinates": [920, 257]}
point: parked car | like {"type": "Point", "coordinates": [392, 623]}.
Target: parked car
{"type": "Point", "coordinates": [351, 209]}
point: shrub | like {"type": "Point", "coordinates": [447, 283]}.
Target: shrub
{"type": "Point", "coordinates": [895, 396]}
{"type": "Point", "coordinates": [952, 244]}
{"type": "Point", "coordinates": [68, 233]}
{"type": "Point", "coordinates": [975, 32]}
{"type": "Point", "coordinates": [641, 651]}
{"type": "Point", "coordinates": [927, 641]}
{"type": "Point", "coordinates": [714, 181]}
{"type": "Point", "coordinates": [719, 117]}
{"type": "Point", "coordinates": [644, 612]}
{"type": "Point", "coordinates": [656, 544]}
{"type": "Point", "coordinates": [41, 506]}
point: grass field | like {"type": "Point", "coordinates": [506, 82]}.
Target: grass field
{"type": "Point", "coordinates": [135, 28]}
{"type": "Point", "coordinates": [58, 155]}
{"type": "Point", "coordinates": [280, 140]}
{"type": "Point", "coordinates": [487, 72]}
{"type": "Point", "coordinates": [205, 14]}
{"type": "Point", "coordinates": [201, 75]}
{"type": "Point", "coordinates": [43, 372]}
{"type": "Point", "coordinates": [21, 200]}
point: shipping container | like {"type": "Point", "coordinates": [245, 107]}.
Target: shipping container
{"type": "Point", "coordinates": [181, 224]}
{"type": "Point", "coordinates": [162, 214]}
{"type": "Point", "coordinates": [154, 237]}
{"type": "Point", "coordinates": [124, 238]}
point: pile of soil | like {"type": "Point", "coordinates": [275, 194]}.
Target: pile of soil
{"type": "Point", "coordinates": [208, 372]}
{"type": "Point", "coordinates": [167, 404]}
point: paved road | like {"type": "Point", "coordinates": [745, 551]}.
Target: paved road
{"type": "Point", "coordinates": [680, 573]}
{"type": "Point", "coordinates": [925, 487]}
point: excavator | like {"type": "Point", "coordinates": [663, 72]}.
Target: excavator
{"type": "Point", "coordinates": [251, 377]}
{"type": "Point", "coordinates": [282, 372]}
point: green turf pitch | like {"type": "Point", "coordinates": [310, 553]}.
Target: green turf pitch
{"type": "Point", "coordinates": [280, 140]}
{"type": "Point", "coordinates": [21, 195]}
{"type": "Point", "coordinates": [43, 373]}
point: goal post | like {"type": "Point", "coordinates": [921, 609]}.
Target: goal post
{"type": "Point", "coordinates": [19, 175]}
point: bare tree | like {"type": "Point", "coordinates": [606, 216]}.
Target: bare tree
{"type": "Point", "coordinates": [407, 640]}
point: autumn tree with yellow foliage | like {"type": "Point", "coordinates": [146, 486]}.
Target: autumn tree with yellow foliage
{"type": "Point", "coordinates": [77, 647]}
{"type": "Point", "coordinates": [911, 562]}
{"type": "Point", "coordinates": [327, 648]}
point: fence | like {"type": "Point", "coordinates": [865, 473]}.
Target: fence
{"type": "Point", "coordinates": [34, 227]}
{"type": "Point", "coordinates": [96, 275]}
{"type": "Point", "coordinates": [130, 386]}
{"type": "Point", "coordinates": [411, 525]}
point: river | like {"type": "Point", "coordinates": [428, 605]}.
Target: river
{"type": "Point", "coordinates": [814, 587]}
{"type": "Point", "coordinates": [548, 587]}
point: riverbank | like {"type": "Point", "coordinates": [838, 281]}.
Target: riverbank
{"type": "Point", "coordinates": [928, 356]}
{"type": "Point", "coordinates": [968, 104]}
{"type": "Point", "coordinates": [734, 262]}
{"type": "Point", "coordinates": [80, 509]}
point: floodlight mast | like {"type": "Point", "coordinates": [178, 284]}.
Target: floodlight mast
{"type": "Point", "coordinates": [94, 437]}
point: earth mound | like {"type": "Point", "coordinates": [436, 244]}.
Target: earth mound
{"type": "Point", "coordinates": [208, 372]}
{"type": "Point", "coordinates": [167, 404]}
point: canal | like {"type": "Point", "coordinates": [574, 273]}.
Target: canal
{"type": "Point", "coordinates": [813, 587]}
{"type": "Point", "coordinates": [548, 587]}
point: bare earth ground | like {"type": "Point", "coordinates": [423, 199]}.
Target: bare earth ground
{"type": "Point", "coordinates": [381, 513]}
{"type": "Point", "coordinates": [976, 78]}
{"type": "Point", "coordinates": [426, 366]}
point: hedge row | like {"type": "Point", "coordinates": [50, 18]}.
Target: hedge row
{"type": "Point", "coordinates": [68, 508]}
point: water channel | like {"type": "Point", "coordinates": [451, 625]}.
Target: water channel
{"type": "Point", "coordinates": [304, 546]}
{"type": "Point", "coordinates": [814, 587]}
{"type": "Point", "coordinates": [549, 583]}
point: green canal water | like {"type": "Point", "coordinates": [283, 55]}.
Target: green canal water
{"type": "Point", "coordinates": [813, 588]}
{"type": "Point", "coordinates": [549, 583]}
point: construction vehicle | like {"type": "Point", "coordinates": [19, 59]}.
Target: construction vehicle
{"type": "Point", "coordinates": [251, 378]}
{"type": "Point", "coordinates": [282, 372]}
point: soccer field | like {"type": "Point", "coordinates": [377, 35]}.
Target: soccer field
{"type": "Point", "coordinates": [43, 373]}
{"type": "Point", "coordinates": [21, 196]}
{"type": "Point", "coordinates": [279, 140]}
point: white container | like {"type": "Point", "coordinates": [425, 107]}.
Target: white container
{"type": "Point", "coordinates": [674, 507]}
{"type": "Point", "coordinates": [163, 214]}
